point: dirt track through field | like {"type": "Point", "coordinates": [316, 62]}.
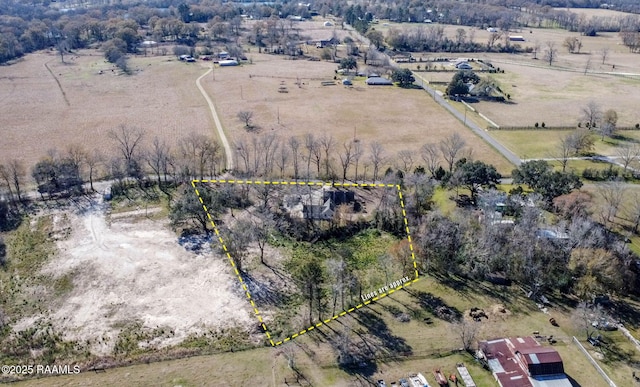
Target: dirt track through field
{"type": "Point", "coordinates": [64, 95]}
{"type": "Point", "coordinates": [216, 119]}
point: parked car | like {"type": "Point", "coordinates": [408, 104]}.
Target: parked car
{"type": "Point", "coordinates": [382, 383]}
{"type": "Point", "coordinates": [404, 383]}
{"type": "Point", "coordinates": [594, 342]}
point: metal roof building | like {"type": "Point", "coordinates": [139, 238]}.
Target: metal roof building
{"type": "Point", "coordinates": [523, 362]}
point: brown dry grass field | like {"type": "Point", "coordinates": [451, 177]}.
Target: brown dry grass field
{"type": "Point", "coordinates": [598, 12]}
{"type": "Point", "coordinates": [397, 118]}
{"type": "Point", "coordinates": [554, 94]}
{"type": "Point", "coordinates": [160, 97]}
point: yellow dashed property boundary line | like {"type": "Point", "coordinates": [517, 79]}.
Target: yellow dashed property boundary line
{"type": "Point", "coordinates": [244, 286]}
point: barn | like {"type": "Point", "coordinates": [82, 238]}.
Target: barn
{"type": "Point", "coordinates": [378, 81]}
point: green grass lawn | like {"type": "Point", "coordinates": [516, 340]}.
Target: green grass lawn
{"type": "Point", "coordinates": [528, 144]}
{"type": "Point", "coordinates": [442, 201]}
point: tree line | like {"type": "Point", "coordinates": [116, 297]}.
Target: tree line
{"type": "Point", "coordinates": [134, 159]}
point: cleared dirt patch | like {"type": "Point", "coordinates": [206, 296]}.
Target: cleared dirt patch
{"type": "Point", "coordinates": [135, 271]}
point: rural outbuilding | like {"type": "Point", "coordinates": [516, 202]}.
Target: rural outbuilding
{"type": "Point", "coordinates": [229, 62]}
{"type": "Point", "coordinates": [379, 81]}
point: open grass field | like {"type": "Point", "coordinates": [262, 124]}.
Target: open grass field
{"type": "Point", "coordinates": [597, 12]}
{"type": "Point", "coordinates": [556, 97]}
{"type": "Point", "coordinates": [75, 104]}
{"type": "Point", "coordinates": [545, 143]}
{"type": "Point", "coordinates": [399, 119]}
{"type": "Point", "coordinates": [431, 346]}
{"type": "Point", "coordinates": [556, 94]}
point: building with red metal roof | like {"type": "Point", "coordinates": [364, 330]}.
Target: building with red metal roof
{"type": "Point", "coordinates": [523, 362]}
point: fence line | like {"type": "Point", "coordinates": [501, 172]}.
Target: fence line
{"type": "Point", "coordinates": [593, 362]}
{"type": "Point", "coordinates": [546, 127]}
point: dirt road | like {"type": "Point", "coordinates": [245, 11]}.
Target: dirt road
{"type": "Point", "coordinates": [223, 138]}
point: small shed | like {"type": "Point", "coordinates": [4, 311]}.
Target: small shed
{"type": "Point", "coordinates": [379, 81]}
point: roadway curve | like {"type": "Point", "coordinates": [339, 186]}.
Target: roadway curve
{"type": "Point", "coordinates": [223, 138]}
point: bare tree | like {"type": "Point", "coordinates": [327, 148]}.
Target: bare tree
{"type": "Point", "coordinates": [565, 150]}
{"type": "Point", "coordinates": [313, 152]}
{"type": "Point", "coordinates": [632, 211]}
{"type": "Point", "coordinates": [535, 49]}
{"type": "Point", "coordinates": [493, 38]}
{"type": "Point", "coordinates": [405, 157]}
{"type": "Point", "coordinates": [198, 151]}
{"type": "Point", "coordinates": [628, 153]}
{"type": "Point", "coordinates": [258, 153]}
{"type": "Point", "coordinates": [609, 122]}
{"type": "Point", "coordinates": [357, 155]}
{"type": "Point", "coordinates": [604, 54]}
{"type": "Point", "coordinates": [294, 145]}
{"type": "Point", "coordinates": [550, 52]}
{"type": "Point", "coordinates": [245, 116]}
{"type": "Point", "coordinates": [346, 158]}
{"type": "Point", "coordinates": [573, 44]}
{"type": "Point", "coordinates": [587, 65]}
{"type": "Point", "coordinates": [5, 175]}
{"type": "Point", "coordinates": [580, 141]}
{"type": "Point", "coordinates": [584, 316]}
{"type": "Point", "coordinates": [376, 156]}
{"type": "Point", "coordinates": [76, 154]}
{"type": "Point", "coordinates": [431, 157]}
{"type": "Point", "coordinates": [128, 140]}
{"type": "Point", "coordinates": [239, 236]}
{"type": "Point", "coordinates": [263, 229]}
{"type": "Point", "coordinates": [327, 143]}
{"type": "Point", "coordinates": [338, 273]}
{"type": "Point", "coordinates": [244, 154]}
{"type": "Point", "coordinates": [282, 161]}
{"type": "Point", "coordinates": [158, 158]}
{"type": "Point", "coordinates": [93, 160]}
{"type": "Point", "coordinates": [592, 114]}
{"type": "Point", "coordinates": [613, 194]}
{"type": "Point", "coordinates": [451, 146]}
{"type": "Point", "coordinates": [269, 145]}
{"type": "Point", "coordinates": [17, 173]}
{"type": "Point", "coordinates": [467, 331]}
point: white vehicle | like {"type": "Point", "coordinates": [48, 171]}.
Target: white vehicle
{"type": "Point", "coordinates": [417, 380]}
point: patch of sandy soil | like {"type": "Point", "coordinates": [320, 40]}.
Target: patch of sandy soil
{"type": "Point", "coordinates": [126, 270]}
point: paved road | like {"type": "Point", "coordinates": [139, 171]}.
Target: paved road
{"type": "Point", "coordinates": [223, 138]}
{"type": "Point", "coordinates": [513, 159]}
